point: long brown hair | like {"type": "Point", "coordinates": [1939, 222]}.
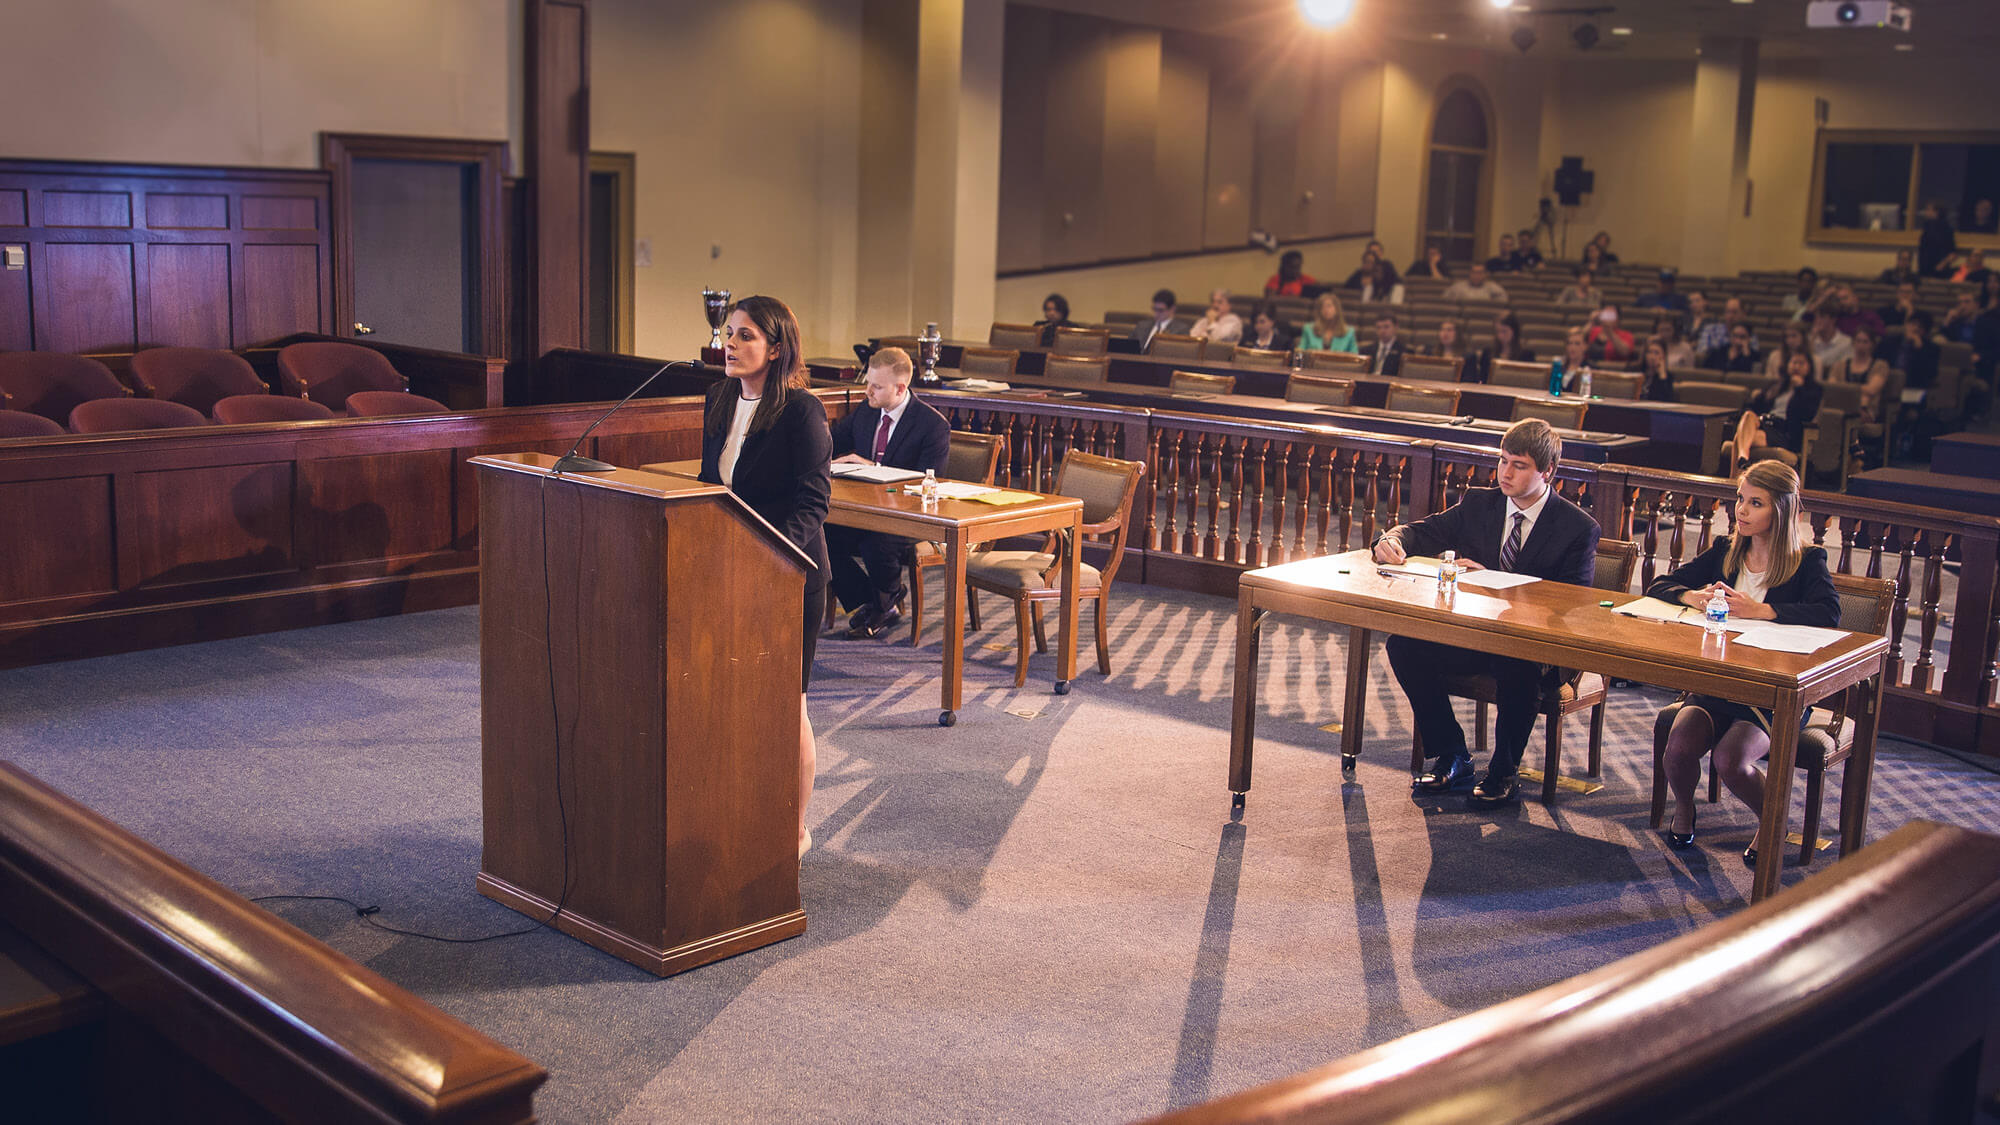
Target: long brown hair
{"type": "Point", "coordinates": [773, 320]}
{"type": "Point", "coordinates": [1787, 540]}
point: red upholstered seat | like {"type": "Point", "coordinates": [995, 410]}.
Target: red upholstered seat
{"type": "Point", "coordinates": [196, 377]}
{"type": "Point", "coordinates": [114, 415]}
{"type": "Point", "coordinates": [20, 423]}
{"type": "Point", "coordinates": [51, 384]}
{"type": "Point", "coordinates": [383, 404]}
{"type": "Point", "coordinates": [237, 410]}
{"type": "Point", "coordinates": [328, 371]}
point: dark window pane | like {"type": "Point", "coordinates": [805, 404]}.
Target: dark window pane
{"type": "Point", "coordinates": [1957, 177]}
{"type": "Point", "coordinates": [1461, 122]}
{"type": "Point", "coordinates": [1867, 186]}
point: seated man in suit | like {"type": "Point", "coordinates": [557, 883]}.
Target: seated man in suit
{"type": "Point", "coordinates": [897, 429]}
{"type": "Point", "coordinates": [1521, 526]}
{"type": "Point", "coordinates": [1164, 320]}
{"type": "Point", "coordinates": [1385, 352]}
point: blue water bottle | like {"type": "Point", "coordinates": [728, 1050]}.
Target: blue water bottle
{"type": "Point", "coordinates": [1555, 378]}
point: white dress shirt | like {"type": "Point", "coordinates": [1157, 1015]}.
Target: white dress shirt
{"type": "Point", "coordinates": [895, 416]}
{"type": "Point", "coordinates": [732, 446]}
{"type": "Point", "coordinates": [1529, 515]}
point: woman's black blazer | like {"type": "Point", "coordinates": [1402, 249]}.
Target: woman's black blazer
{"type": "Point", "coordinates": [783, 473]}
{"type": "Point", "coordinates": [1800, 412]}
{"type": "Point", "coordinates": [1806, 598]}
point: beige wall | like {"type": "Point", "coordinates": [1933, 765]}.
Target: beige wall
{"type": "Point", "coordinates": [745, 118]}
{"type": "Point", "coordinates": [1092, 292]}
{"type": "Point", "coordinates": [1631, 123]}
{"type": "Point", "coordinates": [251, 82]}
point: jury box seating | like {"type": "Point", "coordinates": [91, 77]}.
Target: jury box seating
{"type": "Point", "coordinates": [387, 404]}
{"type": "Point", "coordinates": [114, 415]}
{"type": "Point", "coordinates": [242, 409]}
{"type": "Point", "coordinates": [328, 371]}
{"type": "Point", "coordinates": [52, 384]}
{"type": "Point", "coordinates": [20, 424]}
{"type": "Point", "coordinates": [195, 377]}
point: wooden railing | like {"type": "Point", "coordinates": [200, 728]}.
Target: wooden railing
{"type": "Point", "coordinates": [1867, 993]}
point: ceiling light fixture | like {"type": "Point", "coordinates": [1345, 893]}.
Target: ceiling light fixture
{"type": "Point", "coordinates": [1326, 13]}
{"type": "Point", "coordinates": [1621, 31]}
{"type": "Point", "coordinates": [1503, 5]}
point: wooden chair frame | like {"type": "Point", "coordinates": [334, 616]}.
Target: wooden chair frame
{"type": "Point", "coordinates": [1088, 342]}
{"type": "Point", "coordinates": [1194, 382]}
{"type": "Point", "coordinates": [925, 554]}
{"type": "Point", "coordinates": [1191, 348]}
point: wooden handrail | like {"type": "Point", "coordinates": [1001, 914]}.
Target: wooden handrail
{"type": "Point", "coordinates": [290, 1022]}
{"type": "Point", "coordinates": [1830, 1001]}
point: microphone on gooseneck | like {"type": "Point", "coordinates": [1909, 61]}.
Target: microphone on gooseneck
{"type": "Point", "coordinates": [572, 462]}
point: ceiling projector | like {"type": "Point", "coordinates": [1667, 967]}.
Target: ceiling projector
{"type": "Point", "coordinates": [1857, 13]}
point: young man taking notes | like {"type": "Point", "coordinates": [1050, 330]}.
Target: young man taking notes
{"type": "Point", "coordinates": [1524, 527]}
{"type": "Point", "coordinates": [897, 429]}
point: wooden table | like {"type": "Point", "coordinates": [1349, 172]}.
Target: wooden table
{"type": "Point", "coordinates": [1966, 455]}
{"type": "Point", "coordinates": [1556, 623]}
{"type": "Point", "coordinates": [959, 525]}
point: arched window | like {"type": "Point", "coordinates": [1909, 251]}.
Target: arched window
{"type": "Point", "coordinates": [1454, 192]}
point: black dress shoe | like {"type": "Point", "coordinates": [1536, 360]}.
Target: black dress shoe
{"type": "Point", "coordinates": [874, 625]}
{"type": "Point", "coordinates": [1750, 856]}
{"type": "Point", "coordinates": [1682, 841]}
{"type": "Point", "coordinates": [858, 623]}
{"type": "Point", "coordinates": [1447, 775]}
{"type": "Point", "coordinates": [1492, 793]}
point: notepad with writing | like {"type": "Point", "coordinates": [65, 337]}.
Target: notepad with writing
{"type": "Point", "coordinates": [875, 474]}
{"type": "Point", "coordinates": [1653, 609]}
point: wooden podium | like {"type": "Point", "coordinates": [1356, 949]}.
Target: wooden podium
{"type": "Point", "coordinates": [662, 616]}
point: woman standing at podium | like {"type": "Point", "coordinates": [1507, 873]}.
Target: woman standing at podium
{"type": "Point", "coordinates": [765, 438]}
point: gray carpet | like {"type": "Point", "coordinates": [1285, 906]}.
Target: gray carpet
{"type": "Point", "coordinates": [1043, 914]}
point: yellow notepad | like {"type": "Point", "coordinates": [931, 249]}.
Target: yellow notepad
{"type": "Point", "coordinates": [1003, 497]}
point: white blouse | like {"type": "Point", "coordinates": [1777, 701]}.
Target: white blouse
{"type": "Point", "coordinates": [732, 446]}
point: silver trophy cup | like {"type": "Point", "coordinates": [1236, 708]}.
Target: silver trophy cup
{"type": "Point", "coordinates": [929, 346]}
{"type": "Point", "coordinates": [715, 305]}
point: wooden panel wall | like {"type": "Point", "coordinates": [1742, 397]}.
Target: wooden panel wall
{"type": "Point", "coordinates": [122, 257]}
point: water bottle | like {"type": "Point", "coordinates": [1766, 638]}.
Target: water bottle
{"type": "Point", "coordinates": [1448, 573]}
{"type": "Point", "coordinates": [1298, 359]}
{"type": "Point", "coordinates": [1583, 382]}
{"type": "Point", "coordinates": [930, 488]}
{"type": "Point", "coordinates": [1717, 613]}
{"type": "Point", "coordinates": [1555, 378]}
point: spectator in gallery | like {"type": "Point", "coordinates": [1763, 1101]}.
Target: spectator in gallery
{"type": "Point", "coordinates": [1267, 331]}
{"type": "Point", "coordinates": [1475, 286]}
{"type": "Point", "coordinates": [1864, 367]}
{"type": "Point", "coordinates": [1527, 259]}
{"type": "Point", "coordinates": [1656, 372]}
{"type": "Point", "coordinates": [1918, 355]}
{"type": "Point", "coordinates": [1432, 266]}
{"type": "Point", "coordinates": [1576, 358]}
{"type": "Point", "coordinates": [1739, 354]}
{"type": "Point", "coordinates": [1989, 291]}
{"type": "Point", "coordinates": [1291, 278]}
{"type": "Point", "coordinates": [1791, 342]}
{"type": "Point", "coordinates": [1828, 343]}
{"type": "Point", "coordinates": [1985, 358]}
{"type": "Point", "coordinates": [1704, 332]}
{"type": "Point", "coordinates": [1381, 286]}
{"type": "Point", "coordinates": [1983, 219]}
{"type": "Point", "coordinates": [1899, 309]}
{"type": "Point", "coordinates": [1667, 329]}
{"type": "Point", "coordinates": [1845, 308]}
{"type": "Point", "coordinates": [1664, 295]}
{"type": "Point", "coordinates": [1362, 272]}
{"type": "Point", "coordinates": [1936, 244]}
{"type": "Point", "coordinates": [1592, 259]}
{"type": "Point", "coordinates": [1904, 270]}
{"type": "Point", "coordinates": [1055, 314]}
{"type": "Point", "coordinates": [1973, 269]}
{"type": "Point", "coordinates": [1163, 320]}
{"type": "Point", "coordinates": [1958, 322]}
{"type": "Point", "coordinates": [1385, 352]}
{"type": "Point", "coordinates": [1506, 343]}
{"type": "Point", "coordinates": [1779, 413]}
{"type": "Point", "coordinates": [1382, 256]}
{"type": "Point", "coordinates": [1801, 301]}
{"type": "Point", "coordinates": [1505, 260]}
{"type": "Point", "coordinates": [1732, 315]}
{"type": "Point", "coordinates": [1610, 345]}
{"type": "Point", "coordinates": [1328, 330]}
{"type": "Point", "coordinates": [1602, 240]}
{"type": "Point", "coordinates": [1583, 291]}
{"type": "Point", "coordinates": [1219, 323]}
{"type": "Point", "coordinates": [1450, 341]}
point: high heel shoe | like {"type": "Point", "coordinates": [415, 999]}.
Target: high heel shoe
{"type": "Point", "coordinates": [1681, 841]}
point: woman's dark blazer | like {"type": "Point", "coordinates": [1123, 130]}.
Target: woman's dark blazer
{"type": "Point", "coordinates": [783, 473]}
{"type": "Point", "coordinates": [1806, 598]}
{"type": "Point", "coordinates": [1799, 413]}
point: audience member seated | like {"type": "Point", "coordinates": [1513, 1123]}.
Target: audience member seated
{"type": "Point", "coordinates": [1767, 572]}
{"type": "Point", "coordinates": [1802, 300]}
{"type": "Point", "coordinates": [1667, 328]}
{"type": "Point", "coordinates": [1983, 220]}
{"type": "Point", "coordinates": [1055, 314]}
{"type": "Point", "coordinates": [1829, 344]}
{"type": "Point", "coordinates": [1592, 259]}
{"type": "Point", "coordinates": [1219, 324]}
{"type": "Point", "coordinates": [1381, 286]}
{"type": "Point", "coordinates": [1705, 333]}
{"type": "Point", "coordinates": [1575, 358]}
{"type": "Point", "coordinates": [1791, 341]}
{"type": "Point", "coordinates": [1163, 320]}
{"type": "Point", "coordinates": [1583, 291]}
{"type": "Point", "coordinates": [1506, 344]}
{"type": "Point", "coordinates": [1972, 268]}
{"type": "Point", "coordinates": [1475, 286]}
{"type": "Point", "coordinates": [1900, 308]}
{"type": "Point", "coordinates": [1848, 314]}
{"type": "Point", "coordinates": [1382, 256]}
{"type": "Point", "coordinates": [1609, 344]}
{"type": "Point", "coordinates": [1779, 413]}
{"type": "Point", "coordinates": [1267, 332]}
{"type": "Point", "coordinates": [1664, 295]}
{"type": "Point", "coordinates": [1904, 270]}
{"type": "Point", "coordinates": [1291, 278]}
{"type": "Point", "coordinates": [1363, 273]}
{"type": "Point", "coordinates": [1385, 352]}
{"type": "Point", "coordinates": [1917, 355]}
{"type": "Point", "coordinates": [1656, 375]}
{"type": "Point", "coordinates": [1328, 330]}
{"type": "Point", "coordinates": [1450, 342]}
{"type": "Point", "coordinates": [1527, 259]}
{"type": "Point", "coordinates": [1863, 366]}
{"type": "Point", "coordinates": [1937, 244]}
{"type": "Point", "coordinates": [1958, 322]}
{"type": "Point", "coordinates": [1739, 354]}
{"type": "Point", "coordinates": [1504, 261]}
{"type": "Point", "coordinates": [115, 415]}
{"type": "Point", "coordinates": [1602, 240]}
{"type": "Point", "coordinates": [1432, 266]}
{"type": "Point", "coordinates": [1989, 291]}
{"type": "Point", "coordinates": [895, 428]}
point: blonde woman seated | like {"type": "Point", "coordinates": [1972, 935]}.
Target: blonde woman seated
{"type": "Point", "coordinates": [1219, 324]}
{"type": "Point", "coordinates": [1767, 572]}
{"type": "Point", "coordinates": [1328, 330]}
{"type": "Point", "coordinates": [1450, 341]}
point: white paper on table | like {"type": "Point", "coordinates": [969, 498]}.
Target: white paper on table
{"type": "Point", "coordinates": [874, 474]}
{"type": "Point", "coordinates": [962, 490]}
{"type": "Point", "coordinates": [1787, 638]}
{"type": "Point", "coordinates": [1653, 609]}
{"type": "Point", "coordinates": [1494, 579]}
{"type": "Point", "coordinates": [1409, 568]}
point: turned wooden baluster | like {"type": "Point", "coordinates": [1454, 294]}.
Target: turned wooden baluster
{"type": "Point", "coordinates": [1677, 538]}
{"type": "Point", "coordinates": [1992, 674]}
{"type": "Point", "coordinates": [1393, 512]}
{"type": "Point", "coordinates": [1372, 496]}
{"type": "Point", "coordinates": [1302, 510]}
{"type": "Point", "coordinates": [1281, 486]}
{"type": "Point", "coordinates": [1850, 532]}
{"type": "Point", "coordinates": [1920, 677]}
{"type": "Point", "coordinates": [1254, 553]}
{"type": "Point", "coordinates": [1340, 480]}
{"type": "Point", "coordinates": [1875, 551]}
{"type": "Point", "coordinates": [1169, 500]}
{"type": "Point", "coordinates": [1152, 509]}
{"type": "Point", "coordinates": [1899, 608]}
{"type": "Point", "coordinates": [1050, 451]}
{"type": "Point", "coordinates": [1191, 535]}
{"type": "Point", "coordinates": [1211, 547]}
{"type": "Point", "coordinates": [1817, 521]}
{"type": "Point", "coordinates": [1325, 512]}
{"type": "Point", "coordinates": [1649, 545]}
